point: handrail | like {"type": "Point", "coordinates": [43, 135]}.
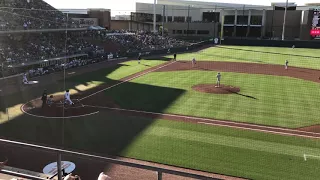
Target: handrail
{"type": "Point", "coordinates": [111, 160]}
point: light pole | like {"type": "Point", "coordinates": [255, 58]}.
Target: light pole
{"type": "Point", "coordinates": [284, 20]}
{"type": "Point", "coordinates": [154, 16]}
{"type": "Point", "coordinates": [188, 19]}
{"type": "Point", "coordinates": [163, 16]}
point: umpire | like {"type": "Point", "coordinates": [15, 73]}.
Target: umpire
{"type": "Point", "coordinates": [44, 98]}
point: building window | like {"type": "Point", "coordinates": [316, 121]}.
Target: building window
{"type": "Point", "coordinates": [242, 19]}
{"type": "Point", "coordinates": [169, 18]}
{"type": "Point", "coordinates": [189, 19]}
{"type": "Point", "coordinates": [189, 32]}
{"type": "Point", "coordinates": [203, 32]}
{"type": "Point", "coordinates": [210, 16]}
{"type": "Point", "coordinates": [173, 31]}
{"type": "Point", "coordinates": [229, 19]}
{"type": "Point", "coordinates": [178, 19]}
{"type": "Point", "coordinates": [256, 20]}
{"type": "Point", "coordinates": [179, 31]}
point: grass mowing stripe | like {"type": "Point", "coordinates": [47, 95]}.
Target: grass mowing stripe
{"type": "Point", "coordinates": [280, 101]}
{"type": "Point", "coordinates": [237, 142]}
{"type": "Point", "coordinates": [228, 151]}
{"type": "Point", "coordinates": [277, 55]}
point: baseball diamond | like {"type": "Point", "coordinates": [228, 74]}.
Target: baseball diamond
{"type": "Point", "coordinates": [156, 109]}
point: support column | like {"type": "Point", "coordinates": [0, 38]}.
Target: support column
{"type": "Point", "coordinates": [235, 23]}
{"type": "Point", "coordinates": [59, 168]}
{"type": "Point", "coordinates": [263, 24]}
{"type": "Point", "coordinates": [249, 23]}
{"type": "Point", "coordinates": [159, 175]}
{"type": "Point", "coordinates": [222, 25]}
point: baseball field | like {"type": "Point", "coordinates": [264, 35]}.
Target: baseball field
{"type": "Point", "coordinates": [262, 123]}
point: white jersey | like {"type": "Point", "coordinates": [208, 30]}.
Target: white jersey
{"type": "Point", "coordinates": [24, 78]}
{"type": "Point", "coordinates": [67, 95]}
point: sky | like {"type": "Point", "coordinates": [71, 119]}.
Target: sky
{"type": "Point", "coordinates": [127, 6]}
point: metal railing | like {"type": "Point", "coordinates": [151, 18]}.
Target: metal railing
{"type": "Point", "coordinates": [159, 170]}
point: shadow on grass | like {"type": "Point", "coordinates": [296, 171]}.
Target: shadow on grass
{"type": "Point", "coordinates": [106, 133]}
{"type": "Point", "coordinates": [240, 94]}
{"type": "Point", "coordinates": [251, 97]}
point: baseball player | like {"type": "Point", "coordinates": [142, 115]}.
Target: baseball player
{"type": "Point", "coordinates": [67, 98]}
{"type": "Point", "coordinates": [286, 64]}
{"type": "Point", "coordinates": [175, 57]}
{"type": "Point", "coordinates": [50, 101]}
{"type": "Point", "coordinates": [194, 62]}
{"type": "Point", "coordinates": [139, 58]}
{"type": "Point", "coordinates": [44, 98]}
{"type": "Point", "coordinates": [24, 79]}
{"type": "Point", "coordinates": [218, 79]}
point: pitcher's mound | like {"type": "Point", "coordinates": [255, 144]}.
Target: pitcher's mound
{"type": "Point", "coordinates": [211, 88]}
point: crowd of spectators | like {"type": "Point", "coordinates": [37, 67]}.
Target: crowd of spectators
{"type": "Point", "coordinates": [17, 49]}
{"type": "Point", "coordinates": [141, 40]}
{"type": "Point", "coordinates": [31, 14]}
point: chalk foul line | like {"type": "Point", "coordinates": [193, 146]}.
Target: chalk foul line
{"type": "Point", "coordinates": [310, 155]}
{"type": "Point", "coordinates": [152, 70]}
{"type": "Point", "coordinates": [231, 124]}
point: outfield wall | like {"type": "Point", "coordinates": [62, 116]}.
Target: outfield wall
{"type": "Point", "coordinates": [271, 43]}
{"type": "Point", "coordinates": [159, 52]}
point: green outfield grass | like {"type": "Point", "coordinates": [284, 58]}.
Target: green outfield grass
{"type": "Point", "coordinates": [298, 57]}
{"type": "Point", "coordinates": [263, 99]}
{"type": "Point", "coordinates": [268, 100]}
{"type": "Point", "coordinates": [228, 151]}
{"type": "Point", "coordinates": [249, 154]}
{"type": "Point", "coordinates": [115, 73]}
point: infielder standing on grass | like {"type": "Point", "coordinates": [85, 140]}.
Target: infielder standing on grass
{"type": "Point", "coordinates": [286, 64]}
{"type": "Point", "coordinates": [194, 62]}
{"type": "Point", "coordinates": [218, 79]}
{"type": "Point", "coordinates": [175, 57]}
{"type": "Point", "coordinates": [67, 98]}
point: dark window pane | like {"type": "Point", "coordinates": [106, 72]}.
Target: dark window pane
{"type": "Point", "coordinates": [229, 19]}
{"type": "Point", "coordinates": [210, 16]}
{"type": "Point", "coordinates": [178, 19]}
{"type": "Point", "coordinates": [256, 20]}
{"type": "Point", "coordinates": [203, 32]}
{"type": "Point", "coordinates": [242, 20]}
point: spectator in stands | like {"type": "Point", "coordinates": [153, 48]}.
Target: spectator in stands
{"type": "Point", "coordinates": [71, 177]}
{"type": "Point", "coordinates": [2, 164]}
{"type": "Point", "coordinates": [103, 176]}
